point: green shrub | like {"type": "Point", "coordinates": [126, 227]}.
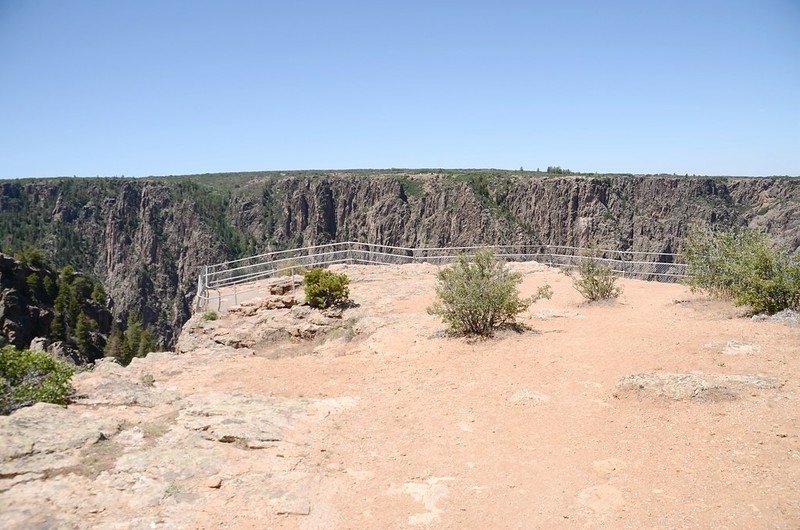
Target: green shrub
{"type": "Point", "coordinates": [745, 266]}
{"type": "Point", "coordinates": [595, 280]}
{"type": "Point", "coordinates": [210, 315]}
{"type": "Point", "coordinates": [27, 377]}
{"type": "Point", "coordinates": [479, 294]}
{"type": "Point", "coordinates": [325, 288]}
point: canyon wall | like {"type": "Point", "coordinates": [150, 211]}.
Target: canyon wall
{"type": "Point", "coordinates": [146, 239]}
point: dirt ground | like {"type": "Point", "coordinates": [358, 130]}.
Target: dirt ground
{"type": "Point", "coordinates": [526, 430]}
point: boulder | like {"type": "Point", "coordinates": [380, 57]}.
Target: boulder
{"type": "Point", "coordinates": [39, 344]}
{"type": "Point", "coordinates": [64, 352]}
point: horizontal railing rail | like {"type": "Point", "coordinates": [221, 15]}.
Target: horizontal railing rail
{"type": "Point", "coordinates": [655, 266]}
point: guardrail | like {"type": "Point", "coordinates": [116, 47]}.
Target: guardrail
{"type": "Point", "coordinates": [631, 264]}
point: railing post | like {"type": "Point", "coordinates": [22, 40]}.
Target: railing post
{"type": "Point", "coordinates": [199, 291]}
{"type": "Point", "coordinates": [202, 281]}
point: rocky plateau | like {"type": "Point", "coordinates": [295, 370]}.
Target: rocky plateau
{"type": "Point", "coordinates": [276, 415]}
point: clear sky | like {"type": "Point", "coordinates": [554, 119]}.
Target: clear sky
{"type": "Point", "coordinates": [143, 87]}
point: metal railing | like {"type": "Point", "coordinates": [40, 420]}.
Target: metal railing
{"type": "Point", "coordinates": [651, 266]}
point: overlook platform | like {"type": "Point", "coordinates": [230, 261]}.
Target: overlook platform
{"type": "Point", "coordinates": [222, 285]}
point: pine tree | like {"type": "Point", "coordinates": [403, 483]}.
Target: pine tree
{"type": "Point", "coordinates": [98, 294]}
{"type": "Point", "coordinates": [50, 288]}
{"type": "Point", "coordinates": [133, 338]}
{"type": "Point", "coordinates": [65, 306]}
{"type": "Point", "coordinates": [115, 346]}
{"type": "Point", "coordinates": [32, 281]}
{"type": "Point", "coordinates": [83, 335]}
{"type": "Point", "coordinates": [58, 328]}
{"type": "Point", "coordinates": [146, 343]}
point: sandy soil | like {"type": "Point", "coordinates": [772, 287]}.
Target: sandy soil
{"type": "Point", "coordinates": [524, 430]}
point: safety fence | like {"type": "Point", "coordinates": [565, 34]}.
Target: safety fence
{"type": "Point", "coordinates": [230, 279]}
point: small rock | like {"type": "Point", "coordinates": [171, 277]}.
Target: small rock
{"type": "Point", "coordinates": [64, 352]}
{"type": "Point", "coordinates": [108, 365]}
{"type": "Point", "coordinates": [214, 483]}
{"type": "Point", "coordinates": [301, 311]}
{"type": "Point", "coordinates": [286, 285]}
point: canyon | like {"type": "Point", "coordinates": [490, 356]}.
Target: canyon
{"type": "Point", "coordinates": [146, 239]}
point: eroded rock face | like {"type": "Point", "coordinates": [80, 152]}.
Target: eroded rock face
{"type": "Point", "coordinates": [693, 386]}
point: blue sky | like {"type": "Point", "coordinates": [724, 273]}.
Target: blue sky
{"type": "Point", "coordinates": [166, 87]}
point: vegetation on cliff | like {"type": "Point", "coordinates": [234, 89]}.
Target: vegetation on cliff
{"type": "Point", "coordinates": [70, 311]}
{"type": "Point", "coordinates": [135, 340]}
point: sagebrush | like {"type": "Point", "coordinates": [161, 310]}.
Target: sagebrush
{"type": "Point", "coordinates": [28, 377]}
{"type": "Point", "coordinates": [324, 288]}
{"type": "Point", "coordinates": [479, 294]}
{"type": "Point", "coordinates": [595, 280]}
{"type": "Point", "coordinates": [745, 266]}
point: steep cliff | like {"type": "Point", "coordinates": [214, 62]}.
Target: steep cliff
{"type": "Point", "coordinates": [144, 240]}
{"type": "Point", "coordinates": [147, 238]}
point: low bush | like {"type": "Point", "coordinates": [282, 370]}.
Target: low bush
{"type": "Point", "coordinates": [745, 266]}
{"type": "Point", "coordinates": [595, 280]}
{"type": "Point", "coordinates": [28, 377]}
{"type": "Point", "coordinates": [210, 315]}
{"type": "Point", "coordinates": [479, 294]}
{"type": "Point", "coordinates": [325, 288]}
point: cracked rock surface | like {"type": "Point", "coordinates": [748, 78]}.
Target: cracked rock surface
{"type": "Point", "coordinates": [154, 445]}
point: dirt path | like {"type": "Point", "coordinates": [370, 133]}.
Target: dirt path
{"type": "Point", "coordinates": [524, 430]}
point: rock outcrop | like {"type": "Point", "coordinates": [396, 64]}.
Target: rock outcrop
{"type": "Point", "coordinates": [692, 386]}
{"type": "Point", "coordinates": [138, 449]}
